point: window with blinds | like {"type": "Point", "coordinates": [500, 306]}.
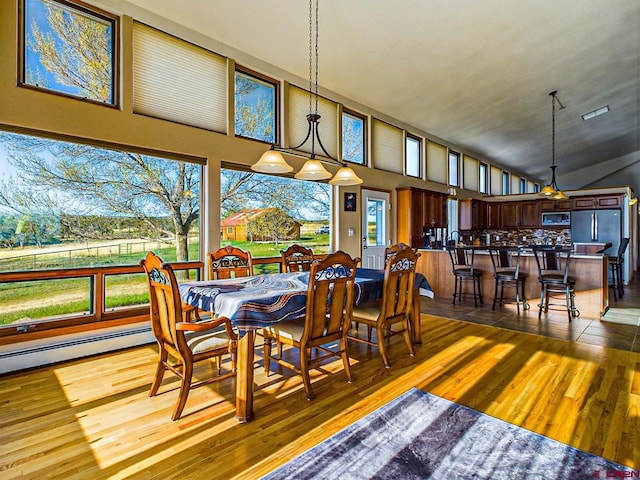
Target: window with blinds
{"type": "Point", "coordinates": [387, 146]}
{"type": "Point", "coordinates": [470, 173]}
{"type": "Point", "coordinates": [178, 81]}
{"type": "Point", "coordinates": [437, 162]}
{"type": "Point", "coordinates": [298, 125]}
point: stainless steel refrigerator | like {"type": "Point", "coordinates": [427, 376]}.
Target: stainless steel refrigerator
{"type": "Point", "coordinates": [597, 226]}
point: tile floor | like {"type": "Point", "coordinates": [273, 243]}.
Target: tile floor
{"type": "Point", "coordinates": [618, 328]}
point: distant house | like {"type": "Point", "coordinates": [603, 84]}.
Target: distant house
{"type": "Point", "coordinates": [234, 227]}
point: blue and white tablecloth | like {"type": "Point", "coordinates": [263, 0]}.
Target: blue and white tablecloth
{"type": "Point", "coordinates": [262, 300]}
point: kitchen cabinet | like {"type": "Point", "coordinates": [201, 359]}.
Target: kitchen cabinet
{"type": "Point", "coordinates": [596, 202]}
{"type": "Point", "coordinates": [555, 205]}
{"type": "Point", "coordinates": [472, 214]}
{"type": "Point", "coordinates": [519, 214]}
{"type": "Point", "coordinates": [493, 215]}
{"type": "Point", "coordinates": [419, 209]}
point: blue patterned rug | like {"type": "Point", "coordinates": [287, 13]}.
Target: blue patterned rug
{"type": "Point", "coordinates": [419, 435]}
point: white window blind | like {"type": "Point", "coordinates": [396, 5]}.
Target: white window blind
{"type": "Point", "coordinates": [515, 184]}
{"type": "Point", "coordinates": [530, 186]}
{"type": "Point", "coordinates": [178, 81]}
{"type": "Point", "coordinates": [298, 125]}
{"type": "Point", "coordinates": [437, 161]}
{"type": "Point", "coordinates": [496, 181]}
{"type": "Point", "coordinates": [387, 146]}
{"type": "Point", "coordinates": [470, 173]}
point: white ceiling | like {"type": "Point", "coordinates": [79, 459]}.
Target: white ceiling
{"type": "Point", "coordinates": [474, 73]}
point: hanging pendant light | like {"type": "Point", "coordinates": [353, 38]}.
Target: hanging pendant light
{"type": "Point", "coordinates": [313, 168]}
{"type": "Point", "coordinates": [271, 161]}
{"type": "Point", "coordinates": [551, 189]}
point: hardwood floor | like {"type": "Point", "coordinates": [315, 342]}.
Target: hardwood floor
{"type": "Point", "coordinates": [92, 418]}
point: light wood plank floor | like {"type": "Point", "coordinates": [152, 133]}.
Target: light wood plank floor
{"type": "Point", "coordinates": [92, 418]}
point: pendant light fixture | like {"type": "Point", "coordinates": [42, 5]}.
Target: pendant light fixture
{"type": "Point", "coordinates": [552, 190]}
{"type": "Point", "coordinates": [272, 161]}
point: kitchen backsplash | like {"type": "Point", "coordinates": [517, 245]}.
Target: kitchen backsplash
{"type": "Point", "coordinates": [522, 236]}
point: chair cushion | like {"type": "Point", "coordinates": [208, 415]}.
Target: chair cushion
{"type": "Point", "coordinates": [368, 311]}
{"type": "Point", "coordinates": [202, 342]}
{"type": "Point", "coordinates": [291, 329]}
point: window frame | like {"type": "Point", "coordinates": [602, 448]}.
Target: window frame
{"type": "Point", "coordinates": [523, 185]}
{"type": "Point", "coordinates": [91, 11]}
{"type": "Point", "coordinates": [363, 118]}
{"type": "Point", "coordinates": [418, 141]}
{"type": "Point", "coordinates": [506, 183]}
{"type": "Point", "coordinates": [277, 129]}
{"type": "Point", "coordinates": [483, 178]}
{"type": "Point", "coordinates": [453, 153]}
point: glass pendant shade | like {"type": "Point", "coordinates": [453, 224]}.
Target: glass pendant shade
{"type": "Point", "coordinates": [344, 177]}
{"type": "Point", "coordinates": [271, 161]}
{"type": "Point", "coordinates": [559, 195]}
{"type": "Point", "coordinates": [313, 170]}
{"type": "Point", "coordinates": [547, 191]}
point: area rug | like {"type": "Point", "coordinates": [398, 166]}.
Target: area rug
{"type": "Point", "coordinates": [420, 435]}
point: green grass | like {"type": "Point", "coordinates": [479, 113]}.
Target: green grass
{"type": "Point", "coordinates": [121, 290]}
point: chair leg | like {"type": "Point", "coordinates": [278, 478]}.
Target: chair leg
{"type": "Point", "coordinates": [187, 372]}
{"type": "Point", "coordinates": [382, 347]}
{"type": "Point", "coordinates": [160, 369]}
{"type": "Point", "coordinates": [502, 294]}
{"type": "Point", "coordinates": [479, 290]}
{"type": "Point", "coordinates": [455, 288]}
{"type": "Point", "coordinates": [541, 304]}
{"type": "Point", "coordinates": [304, 371]}
{"type": "Point", "coordinates": [407, 337]}
{"type": "Point", "coordinates": [495, 295]}
{"type": "Point", "coordinates": [475, 294]}
{"type": "Point", "coordinates": [344, 345]}
{"type": "Point", "coordinates": [620, 280]}
{"type": "Point", "coordinates": [568, 300]}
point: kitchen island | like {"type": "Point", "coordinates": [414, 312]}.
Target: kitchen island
{"type": "Point", "coordinates": [590, 272]}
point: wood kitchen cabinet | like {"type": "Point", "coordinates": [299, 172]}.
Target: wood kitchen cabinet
{"type": "Point", "coordinates": [520, 214]}
{"type": "Point", "coordinates": [596, 202]}
{"type": "Point", "coordinates": [419, 209]}
{"type": "Point", "coordinates": [493, 215]}
{"type": "Point", "coordinates": [555, 205]}
{"type": "Point", "coordinates": [472, 214]}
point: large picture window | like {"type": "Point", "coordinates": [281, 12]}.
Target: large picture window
{"type": "Point", "coordinates": [69, 49]}
{"type": "Point", "coordinates": [265, 214]}
{"type": "Point", "coordinates": [68, 206]}
{"type": "Point", "coordinates": [256, 101]}
{"type": "Point", "coordinates": [353, 137]}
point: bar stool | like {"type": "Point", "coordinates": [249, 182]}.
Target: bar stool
{"type": "Point", "coordinates": [616, 282]}
{"type": "Point", "coordinates": [553, 275]}
{"type": "Point", "coordinates": [463, 263]}
{"type": "Point", "coordinates": [506, 271]}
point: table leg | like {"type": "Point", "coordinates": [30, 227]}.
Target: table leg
{"type": "Point", "coordinates": [244, 380]}
{"type": "Point", "coordinates": [416, 329]}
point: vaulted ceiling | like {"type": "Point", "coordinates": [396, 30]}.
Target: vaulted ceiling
{"type": "Point", "coordinates": [474, 73]}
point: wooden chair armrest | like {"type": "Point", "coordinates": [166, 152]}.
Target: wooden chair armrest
{"type": "Point", "coordinates": [207, 325]}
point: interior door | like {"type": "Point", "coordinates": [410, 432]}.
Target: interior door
{"type": "Point", "coordinates": [375, 228]}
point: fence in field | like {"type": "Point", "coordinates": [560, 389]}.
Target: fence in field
{"type": "Point", "coordinates": [88, 256]}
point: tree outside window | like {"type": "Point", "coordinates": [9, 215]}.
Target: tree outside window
{"type": "Point", "coordinates": [69, 49]}
{"type": "Point", "coordinates": [255, 104]}
{"type": "Point", "coordinates": [353, 138]}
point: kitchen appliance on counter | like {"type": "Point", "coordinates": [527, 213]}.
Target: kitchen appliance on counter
{"type": "Point", "coordinates": [597, 226]}
{"type": "Point", "coordinates": [434, 237]}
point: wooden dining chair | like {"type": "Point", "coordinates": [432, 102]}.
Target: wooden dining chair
{"type": "Point", "coordinates": [296, 258]}
{"type": "Point", "coordinates": [391, 250]}
{"type": "Point", "coordinates": [186, 342]}
{"type": "Point", "coordinates": [395, 306]}
{"type": "Point", "coordinates": [229, 262]}
{"type": "Point", "coordinates": [327, 319]}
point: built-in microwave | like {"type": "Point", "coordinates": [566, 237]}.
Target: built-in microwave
{"type": "Point", "coordinates": [556, 218]}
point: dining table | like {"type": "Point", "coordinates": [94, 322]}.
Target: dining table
{"type": "Point", "coordinates": [259, 301]}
